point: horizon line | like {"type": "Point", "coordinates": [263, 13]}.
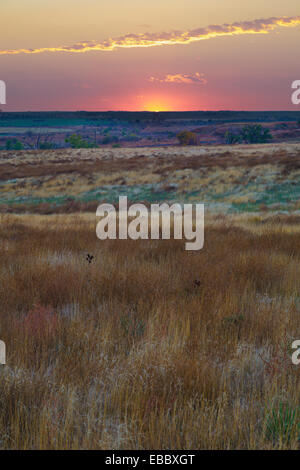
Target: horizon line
{"type": "Point", "coordinates": [155, 112]}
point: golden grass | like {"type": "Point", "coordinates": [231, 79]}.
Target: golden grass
{"type": "Point", "coordinates": [25, 164]}
{"type": "Point", "coordinates": [148, 346]}
{"type": "Point", "coordinates": [36, 181]}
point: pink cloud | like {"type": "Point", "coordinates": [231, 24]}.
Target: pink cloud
{"type": "Point", "coordinates": [181, 78]}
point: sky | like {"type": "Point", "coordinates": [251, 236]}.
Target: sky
{"type": "Point", "coordinates": [158, 55]}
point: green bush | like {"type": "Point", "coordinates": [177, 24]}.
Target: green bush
{"type": "Point", "coordinates": [76, 141]}
{"type": "Point", "coordinates": [232, 138]}
{"type": "Point", "coordinates": [256, 134]}
{"type": "Point", "coordinates": [13, 144]}
{"type": "Point", "coordinates": [250, 134]}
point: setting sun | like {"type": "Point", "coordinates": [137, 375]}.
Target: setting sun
{"type": "Point", "coordinates": [156, 107]}
{"type": "Point", "coordinates": [158, 104]}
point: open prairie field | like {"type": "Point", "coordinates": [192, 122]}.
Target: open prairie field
{"type": "Point", "coordinates": [228, 179]}
{"type": "Point", "coordinates": [144, 345]}
{"type": "Point", "coordinates": [149, 346]}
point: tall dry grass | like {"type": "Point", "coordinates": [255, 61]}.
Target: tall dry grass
{"type": "Point", "coordinates": [148, 346]}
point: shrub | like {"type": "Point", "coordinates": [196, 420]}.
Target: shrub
{"type": "Point", "coordinates": [256, 134]}
{"type": "Point", "coordinates": [232, 138]}
{"type": "Point", "coordinates": [76, 141]}
{"type": "Point", "coordinates": [251, 134]}
{"type": "Point", "coordinates": [13, 144]}
{"type": "Point", "coordinates": [187, 138]}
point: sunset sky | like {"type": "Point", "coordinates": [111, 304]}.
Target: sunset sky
{"type": "Point", "coordinates": [149, 55]}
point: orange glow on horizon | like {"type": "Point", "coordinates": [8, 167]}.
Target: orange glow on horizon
{"type": "Point", "coordinates": [157, 106]}
{"type": "Point", "coordinates": [162, 103]}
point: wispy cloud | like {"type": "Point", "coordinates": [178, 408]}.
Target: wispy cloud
{"type": "Point", "coordinates": [182, 78]}
{"type": "Point", "coordinates": [258, 26]}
